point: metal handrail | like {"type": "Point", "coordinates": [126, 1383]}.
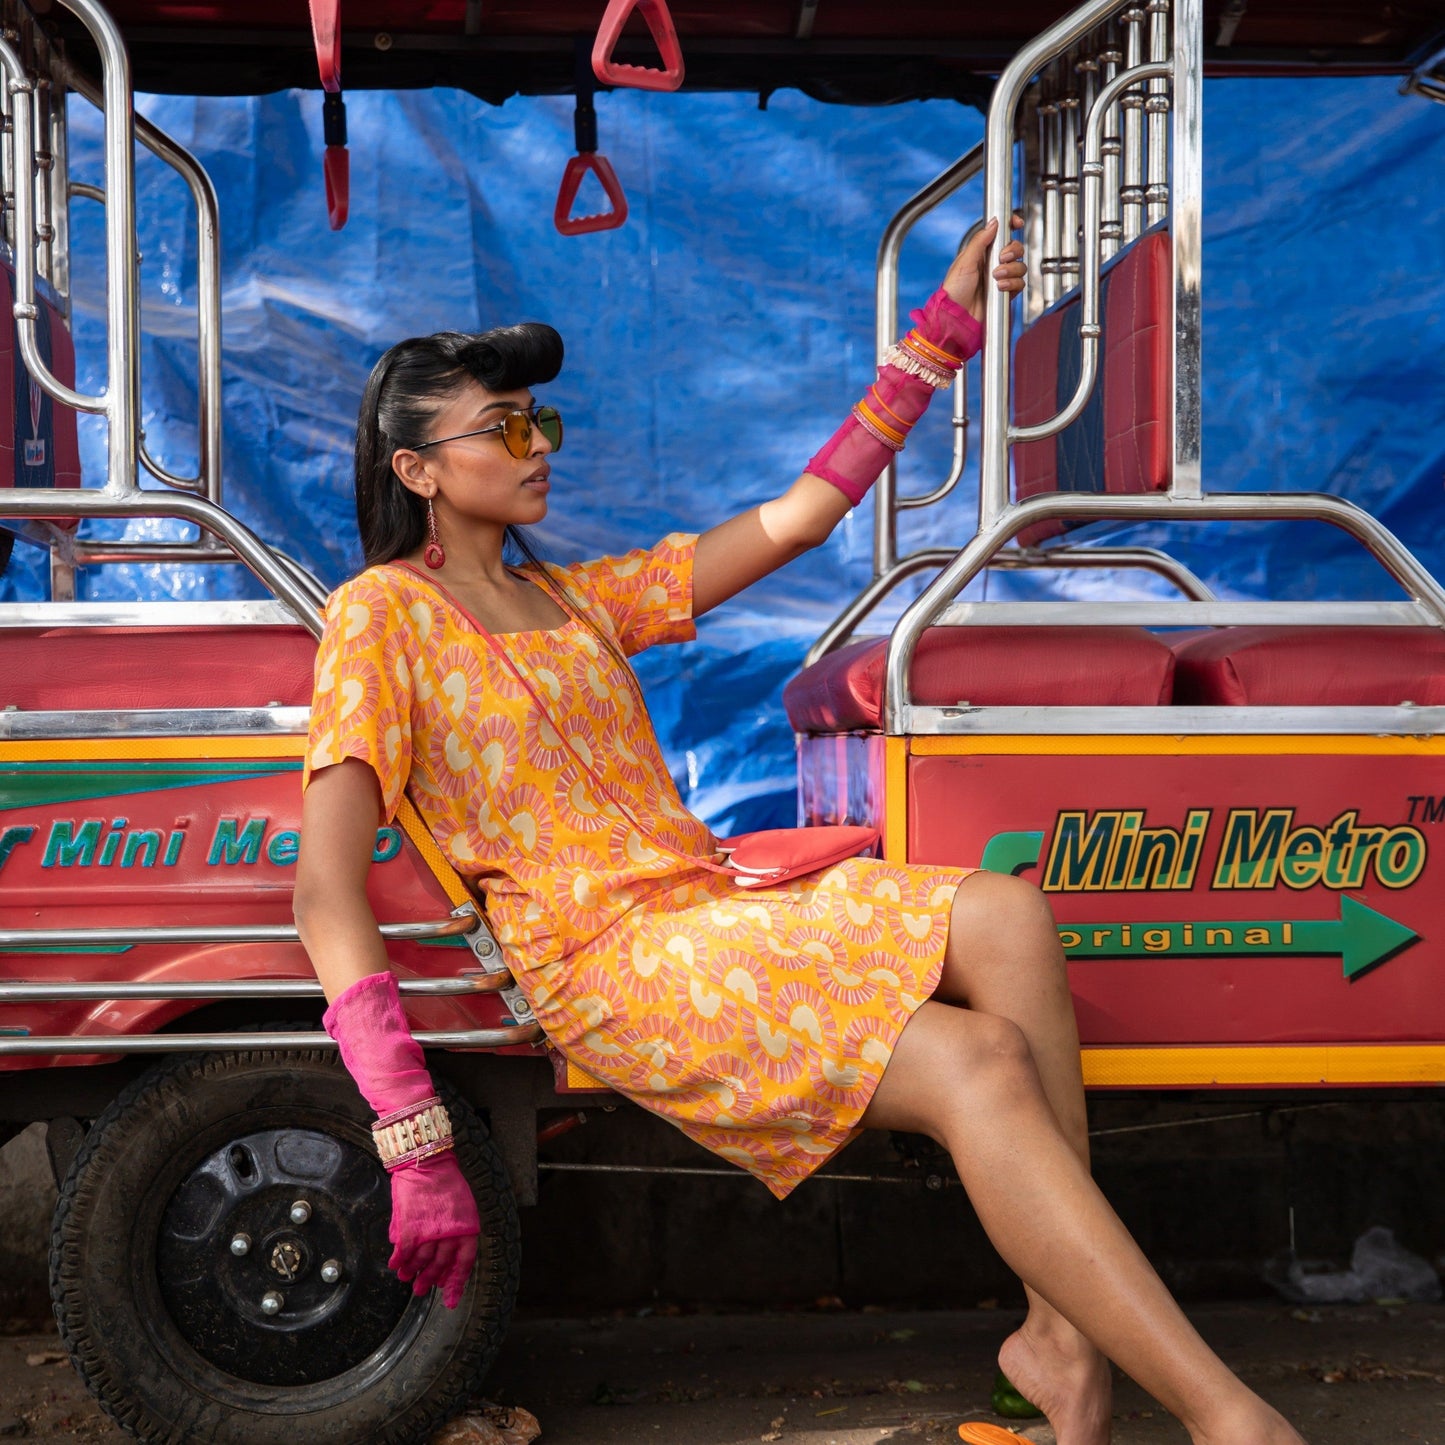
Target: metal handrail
{"type": "Point", "coordinates": [885, 311]}
{"type": "Point", "coordinates": [118, 402]}
{"type": "Point", "coordinates": [208, 480]}
{"type": "Point", "coordinates": [110, 502]}
{"type": "Point", "coordinates": [499, 1038]}
{"type": "Point", "coordinates": [1090, 330]}
{"type": "Point", "coordinates": [115, 992]}
{"type": "Point", "coordinates": [1149, 559]}
{"type": "Point", "coordinates": [58, 940]}
{"type": "Point", "coordinates": [1382, 544]}
{"type": "Point", "coordinates": [998, 202]}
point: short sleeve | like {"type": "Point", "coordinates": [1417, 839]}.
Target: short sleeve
{"type": "Point", "coordinates": [646, 593]}
{"type": "Point", "coordinates": [361, 705]}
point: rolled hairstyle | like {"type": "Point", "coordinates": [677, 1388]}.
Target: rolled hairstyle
{"type": "Point", "coordinates": [405, 391]}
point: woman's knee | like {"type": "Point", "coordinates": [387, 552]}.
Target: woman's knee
{"type": "Point", "coordinates": [951, 1061]}
{"type": "Point", "coordinates": [1000, 900]}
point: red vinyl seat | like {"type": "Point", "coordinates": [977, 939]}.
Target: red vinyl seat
{"type": "Point", "coordinates": [987, 667]}
{"type": "Point", "coordinates": [50, 669]}
{"type": "Point", "coordinates": [1311, 666]}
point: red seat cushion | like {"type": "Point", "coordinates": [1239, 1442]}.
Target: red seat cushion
{"type": "Point", "coordinates": [1123, 441]}
{"type": "Point", "coordinates": [987, 667]}
{"type": "Point", "coordinates": [1311, 666]}
{"type": "Point", "coordinates": [50, 669]}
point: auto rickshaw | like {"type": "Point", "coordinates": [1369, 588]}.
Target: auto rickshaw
{"type": "Point", "coordinates": [1228, 803]}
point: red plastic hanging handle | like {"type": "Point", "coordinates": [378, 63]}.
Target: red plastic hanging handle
{"type": "Point", "coordinates": [572, 177]}
{"type": "Point", "coordinates": [664, 33]}
{"type": "Point", "coordinates": [326, 31]}
{"type": "Point", "coordinates": [336, 164]}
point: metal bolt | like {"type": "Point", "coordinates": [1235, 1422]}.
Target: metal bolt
{"type": "Point", "coordinates": [300, 1212]}
{"type": "Point", "coordinates": [271, 1303]}
{"type": "Point", "coordinates": [241, 1244]}
{"type": "Point", "coordinates": [331, 1271]}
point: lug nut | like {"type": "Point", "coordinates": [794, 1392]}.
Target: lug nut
{"type": "Point", "coordinates": [330, 1271]}
{"type": "Point", "coordinates": [271, 1303]}
{"type": "Point", "coordinates": [300, 1212]}
{"type": "Point", "coordinates": [241, 1244]}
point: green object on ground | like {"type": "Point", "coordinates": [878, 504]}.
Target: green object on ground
{"type": "Point", "coordinates": [1007, 1401]}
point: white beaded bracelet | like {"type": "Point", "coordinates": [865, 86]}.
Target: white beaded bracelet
{"type": "Point", "coordinates": [905, 361]}
{"type": "Point", "coordinates": [410, 1135]}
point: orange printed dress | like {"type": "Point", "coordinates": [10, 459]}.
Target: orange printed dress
{"type": "Point", "coordinates": [757, 1021]}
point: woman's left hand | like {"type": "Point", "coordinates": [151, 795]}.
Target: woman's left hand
{"type": "Point", "coordinates": [966, 281]}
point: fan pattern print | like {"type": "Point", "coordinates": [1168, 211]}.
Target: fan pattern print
{"type": "Point", "coordinates": [759, 1021]}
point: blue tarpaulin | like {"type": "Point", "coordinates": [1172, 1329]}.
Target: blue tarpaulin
{"type": "Point", "coordinates": [720, 336]}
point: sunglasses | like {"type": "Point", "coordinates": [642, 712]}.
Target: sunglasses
{"type": "Point", "coordinates": [516, 429]}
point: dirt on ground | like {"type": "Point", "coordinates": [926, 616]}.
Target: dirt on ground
{"type": "Point", "coordinates": [1344, 1375]}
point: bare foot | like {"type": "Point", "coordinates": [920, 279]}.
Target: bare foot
{"type": "Point", "coordinates": [1066, 1377]}
{"type": "Point", "coordinates": [1250, 1423]}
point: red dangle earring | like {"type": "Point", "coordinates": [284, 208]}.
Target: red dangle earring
{"type": "Point", "coordinates": [435, 555]}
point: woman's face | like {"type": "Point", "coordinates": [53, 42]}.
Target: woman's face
{"type": "Point", "coordinates": [475, 476]}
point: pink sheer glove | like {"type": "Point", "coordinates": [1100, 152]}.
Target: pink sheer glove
{"type": "Point", "coordinates": [943, 338]}
{"type": "Point", "coordinates": [434, 1221]}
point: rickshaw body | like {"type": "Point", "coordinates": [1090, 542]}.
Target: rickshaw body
{"type": "Point", "coordinates": [1230, 805]}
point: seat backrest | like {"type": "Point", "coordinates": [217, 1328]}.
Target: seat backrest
{"type": "Point", "coordinates": [1123, 442]}
{"type": "Point", "coordinates": [68, 669]}
{"type": "Point", "coordinates": [986, 667]}
{"type": "Point", "coordinates": [39, 444]}
{"type": "Point", "coordinates": [1311, 667]}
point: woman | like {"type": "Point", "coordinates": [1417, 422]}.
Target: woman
{"type": "Point", "coordinates": [768, 1024]}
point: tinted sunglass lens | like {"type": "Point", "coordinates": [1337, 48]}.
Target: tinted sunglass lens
{"type": "Point", "coordinates": [549, 422]}
{"type": "Point", "coordinates": [517, 433]}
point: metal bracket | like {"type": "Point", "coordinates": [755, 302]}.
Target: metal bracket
{"type": "Point", "coordinates": [488, 953]}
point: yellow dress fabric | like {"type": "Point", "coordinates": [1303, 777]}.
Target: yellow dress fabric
{"type": "Point", "coordinates": [758, 1021]}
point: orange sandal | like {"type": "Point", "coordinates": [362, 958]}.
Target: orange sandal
{"type": "Point", "coordinates": [980, 1432]}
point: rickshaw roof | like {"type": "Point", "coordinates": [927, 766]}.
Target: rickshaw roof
{"type": "Point", "coordinates": [850, 51]}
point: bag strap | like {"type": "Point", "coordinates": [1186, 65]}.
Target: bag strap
{"type": "Point", "coordinates": [603, 790]}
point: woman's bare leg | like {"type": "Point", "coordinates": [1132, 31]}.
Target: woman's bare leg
{"type": "Point", "coordinates": [968, 1080]}
{"type": "Point", "coordinates": [1004, 958]}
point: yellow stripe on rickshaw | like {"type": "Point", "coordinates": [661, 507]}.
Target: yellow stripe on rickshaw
{"type": "Point", "coordinates": [1169, 745]}
{"type": "Point", "coordinates": [1192, 1065]}
{"type": "Point", "coordinates": [71, 750]}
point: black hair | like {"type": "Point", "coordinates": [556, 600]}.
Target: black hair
{"type": "Point", "coordinates": [406, 389]}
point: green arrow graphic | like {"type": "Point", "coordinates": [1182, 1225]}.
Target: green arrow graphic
{"type": "Point", "coordinates": [1363, 937]}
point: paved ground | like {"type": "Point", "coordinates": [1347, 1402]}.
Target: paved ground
{"type": "Point", "coordinates": [1345, 1376]}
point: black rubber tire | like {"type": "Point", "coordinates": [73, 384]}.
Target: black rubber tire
{"type": "Point", "coordinates": [107, 1246]}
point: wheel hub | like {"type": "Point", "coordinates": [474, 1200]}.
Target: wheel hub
{"type": "Point", "coordinates": [271, 1257]}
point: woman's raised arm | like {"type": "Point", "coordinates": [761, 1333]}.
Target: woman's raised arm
{"type": "Point", "coordinates": [736, 553]}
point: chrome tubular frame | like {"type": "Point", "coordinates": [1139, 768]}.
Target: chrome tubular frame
{"type": "Point", "coordinates": [1159, 179]}
{"type": "Point", "coordinates": [208, 479]}
{"type": "Point", "coordinates": [1131, 194]}
{"type": "Point", "coordinates": [115, 992]}
{"type": "Point", "coordinates": [36, 80]}
{"type": "Point", "coordinates": [118, 401]}
{"type": "Point", "coordinates": [1111, 226]}
{"type": "Point", "coordinates": [1050, 171]}
{"type": "Point", "coordinates": [277, 576]}
{"type": "Point", "coordinates": [885, 314]}
{"type": "Point", "coordinates": [508, 1036]}
{"type": "Point", "coordinates": [492, 976]}
{"type": "Point", "coordinates": [61, 940]}
{"type": "Point", "coordinates": [1069, 175]}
